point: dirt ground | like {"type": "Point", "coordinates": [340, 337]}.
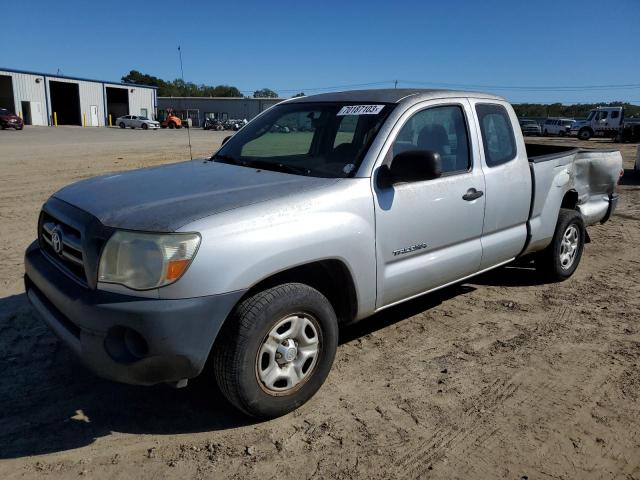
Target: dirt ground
{"type": "Point", "coordinates": [501, 377]}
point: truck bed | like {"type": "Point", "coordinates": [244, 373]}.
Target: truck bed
{"type": "Point", "coordinates": [567, 176]}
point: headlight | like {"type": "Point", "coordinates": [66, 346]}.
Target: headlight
{"type": "Point", "coordinates": [142, 261]}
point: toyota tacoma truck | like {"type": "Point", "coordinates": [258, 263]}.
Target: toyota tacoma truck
{"type": "Point", "coordinates": [249, 262]}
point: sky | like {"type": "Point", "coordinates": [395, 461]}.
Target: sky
{"type": "Point", "coordinates": [528, 51]}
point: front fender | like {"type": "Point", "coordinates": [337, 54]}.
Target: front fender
{"type": "Point", "coordinates": [244, 246]}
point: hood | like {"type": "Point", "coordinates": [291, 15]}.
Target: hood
{"type": "Point", "coordinates": [9, 117]}
{"type": "Point", "coordinates": [166, 198]}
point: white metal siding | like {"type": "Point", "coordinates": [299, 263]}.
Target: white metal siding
{"type": "Point", "coordinates": [90, 94]}
{"type": "Point", "coordinates": [141, 98]}
{"type": "Point", "coordinates": [25, 89]}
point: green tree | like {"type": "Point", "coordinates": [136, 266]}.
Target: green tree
{"type": "Point", "coordinates": [180, 88]}
{"type": "Point", "coordinates": [265, 93]}
{"type": "Point", "coordinates": [301, 94]}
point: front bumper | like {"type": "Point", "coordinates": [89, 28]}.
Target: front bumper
{"type": "Point", "coordinates": [135, 340]}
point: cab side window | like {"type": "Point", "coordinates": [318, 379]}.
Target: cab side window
{"type": "Point", "coordinates": [497, 134]}
{"type": "Point", "coordinates": [439, 129]}
{"type": "Point", "coordinates": [615, 114]}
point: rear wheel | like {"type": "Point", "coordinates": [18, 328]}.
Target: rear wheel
{"type": "Point", "coordinates": [172, 125]}
{"type": "Point", "coordinates": [121, 125]}
{"type": "Point", "coordinates": [546, 133]}
{"type": "Point", "coordinates": [276, 350]}
{"type": "Point", "coordinates": [561, 258]}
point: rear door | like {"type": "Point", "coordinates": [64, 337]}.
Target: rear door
{"type": "Point", "coordinates": [508, 182]}
{"type": "Point", "coordinates": [427, 234]}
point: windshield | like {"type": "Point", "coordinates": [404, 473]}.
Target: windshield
{"type": "Point", "coordinates": [4, 111]}
{"type": "Point", "coordinates": [591, 115]}
{"type": "Point", "coordinates": [316, 139]}
{"type": "Point", "coordinates": [143, 118]}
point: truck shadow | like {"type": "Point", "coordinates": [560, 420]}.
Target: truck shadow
{"type": "Point", "coordinates": [521, 273]}
{"type": "Point", "coordinates": [50, 403]}
{"type": "Point", "coordinates": [630, 177]}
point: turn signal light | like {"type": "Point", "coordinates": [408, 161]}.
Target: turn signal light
{"type": "Point", "coordinates": [176, 268]}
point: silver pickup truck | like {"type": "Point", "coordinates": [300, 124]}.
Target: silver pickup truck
{"type": "Point", "coordinates": [320, 212]}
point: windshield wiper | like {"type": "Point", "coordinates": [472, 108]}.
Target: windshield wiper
{"type": "Point", "coordinates": [281, 167]}
{"type": "Point", "coordinates": [262, 164]}
{"type": "Point", "coordinates": [226, 159]}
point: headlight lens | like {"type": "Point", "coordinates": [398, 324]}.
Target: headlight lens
{"type": "Point", "coordinates": [142, 261]}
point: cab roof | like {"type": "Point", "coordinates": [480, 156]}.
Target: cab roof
{"type": "Point", "coordinates": [389, 95]}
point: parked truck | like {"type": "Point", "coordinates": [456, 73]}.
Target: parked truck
{"type": "Point", "coordinates": [607, 122]}
{"type": "Point", "coordinates": [251, 261]}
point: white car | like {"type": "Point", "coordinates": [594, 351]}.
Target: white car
{"type": "Point", "coordinates": [557, 126]}
{"type": "Point", "coordinates": [133, 121]}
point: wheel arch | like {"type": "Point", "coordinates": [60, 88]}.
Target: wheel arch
{"type": "Point", "coordinates": [331, 277]}
{"type": "Point", "coordinates": [570, 200]}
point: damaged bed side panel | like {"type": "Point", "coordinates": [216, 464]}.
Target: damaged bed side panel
{"type": "Point", "coordinates": [591, 175]}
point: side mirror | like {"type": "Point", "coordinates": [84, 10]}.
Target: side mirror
{"type": "Point", "coordinates": [410, 166]}
{"type": "Point", "coordinates": [225, 140]}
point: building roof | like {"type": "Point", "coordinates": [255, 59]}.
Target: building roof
{"type": "Point", "coordinates": [51, 75]}
{"type": "Point", "coordinates": [388, 95]}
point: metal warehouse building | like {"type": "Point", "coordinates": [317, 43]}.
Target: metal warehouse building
{"type": "Point", "coordinates": [42, 98]}
{"type": "Point", "coordinates": [221, 108]}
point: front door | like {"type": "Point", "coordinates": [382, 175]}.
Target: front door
{"type": "Point", "coordinates": [428, 233]}
{"type": "Point", "coordinates": [94, 115]}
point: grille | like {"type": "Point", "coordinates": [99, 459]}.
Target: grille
{"type": "Point", "coordinates": [63, 243]}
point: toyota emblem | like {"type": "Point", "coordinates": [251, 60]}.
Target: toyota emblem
{"type": "Point", "coordinates": [56, 241]}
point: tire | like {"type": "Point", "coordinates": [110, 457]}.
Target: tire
{"type": "Point", "coordinates": [244, 351]}
{"type": "Point", "coordinates": [585, 134]}
{"type": "Point", "coordinates": [145, 126]}
{"type": "Point", "coordinates": [546, 133]}
{"type": "Point", "coordinates": [172, 125]}
{"type": "Point", "coordinates": [121, 125]}
{"type": "Point", "coordinates": [562, 133]}
{"type": "Point", "coordinates": [553, 261]}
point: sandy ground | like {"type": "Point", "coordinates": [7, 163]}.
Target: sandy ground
{"type": "Point", "coordinates": [501, 377]}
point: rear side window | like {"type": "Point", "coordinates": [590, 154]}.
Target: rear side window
{"type": "Point", "coordinates": [497, 134]}
{"type": "Point", "coordinates": [615, 114]}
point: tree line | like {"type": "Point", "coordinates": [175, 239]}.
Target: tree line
{"type": "Point", "coordinates": [180, 88]}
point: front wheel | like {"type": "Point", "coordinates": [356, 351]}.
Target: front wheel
{"type": "Point", "coordinates": [145, 126]}
{"type": "Point", "coordinates": [121, 125]}
{"type": "Point", "coordinates": [561, 258]}
{"type": "Point", "coordinates": [585, 134]}
{"type": "Point", "coordinates": [276, 350]}
{"type": "Point", "coordinates": [172, 125]}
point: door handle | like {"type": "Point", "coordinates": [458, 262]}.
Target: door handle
{"type": "Point", "coordinates": [472, 194]}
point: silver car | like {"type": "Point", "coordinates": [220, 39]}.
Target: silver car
{"type": "Point", "coordinates": [134, 121]}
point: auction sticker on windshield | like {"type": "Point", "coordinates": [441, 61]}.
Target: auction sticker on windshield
{"type": "Point", "coordinates": [360, 110]}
